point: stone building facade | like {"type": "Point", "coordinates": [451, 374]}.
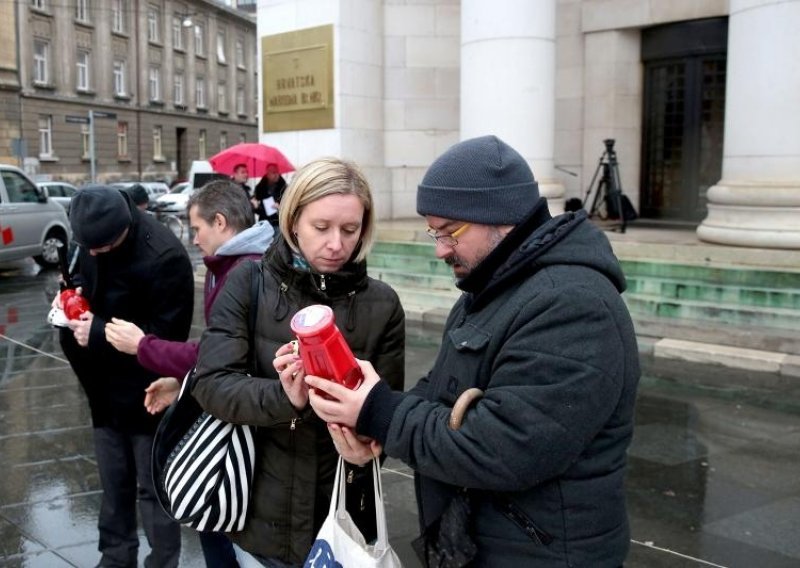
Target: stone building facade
{"type": "Point", "coordinates": [165, 82]}
{"type": "Point", "coordinates": [699, 96]}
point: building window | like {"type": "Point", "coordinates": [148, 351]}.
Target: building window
{"type": "Point", "coordinates": [86, 142]}
{"type": "Point", "coordinates": [83, 64]}
{"type": "Point", "coordinates": [223, 140]}
{"type": "Point", "coordinates": [39, 4]}
{"type": "Point", "coordinates": [221, 47]}
{"type": "Point", "coordinates": [177, 32]}
{"type": "Point", "coordinates": [177, 89]}
{"type": "Point", "coordinates": [242, 137]}
{"type": "Point", "coordinates": [153, 18]}
{"type": "Point", "coordinates": [157, 153]}
{"type": "Point", "coordinates": [41, 62]}
{"type": "Point", "coordinates": [119, 78]}
{"type": "Point", "coordinates": [222, 97]}
{"type": "Point", "coordinates": [199, 40]}
{"type": "Point", "coordinates": [201, 145]}
{"type": "Point", "coordinates": [154, 80]}
{"type": "Point", "coordinates": [118, 19]}
{"type": "Point", "coordinates": [240, 100]}
{"type": "Point", "coordinates": [200, 91]}
{"type": "Point", "coordinates": [82, 10]}
{"type": "Point", "coordinates": [240, 53]}
{"type": "Point", "coordinates": [45, 136]}
{"type": "Point", "coordinates": [122, 140]}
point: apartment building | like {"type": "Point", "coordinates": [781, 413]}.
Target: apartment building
{"type": "Point", "coordinates": [163, 82]}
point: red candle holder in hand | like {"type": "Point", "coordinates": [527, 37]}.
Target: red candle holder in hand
{"type": "Point", "coordinates": [323, 349]}
{"type": "Point", "coordinates": [74, 304]}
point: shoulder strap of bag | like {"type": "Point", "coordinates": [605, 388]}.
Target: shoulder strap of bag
{"type": "Point", "coordinates": [255, 284]}
{"type": "Point", "coordinates": [252, 316]}
{"type": "Point", "coordinates": [339, 498]}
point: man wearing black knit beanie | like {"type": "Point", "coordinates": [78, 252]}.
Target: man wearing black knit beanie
{"type": "Point", "coordinates": [132, 267]}
{"type": "Point", "coordinates": [518, 435]}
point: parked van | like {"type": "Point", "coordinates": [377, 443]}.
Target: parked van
{"type": "Point", "coordinates": [201, 172]}
{"type": "Point", "coordinates": [30, 223]}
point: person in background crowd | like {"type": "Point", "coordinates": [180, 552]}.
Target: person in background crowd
{"type": "Point", "coordinates": [222, 221]}
{"type": "Point", "coordinates": [240, 177]}
{"type": "Point", "coordinates": [327, 230]}
{"type": "Point", "coordinates": [268, 194]}
{"type": "Point", "coordinates": [542, 348]}
{"type": "Point", "coordinates": [130, 266]}
{"type": "Point", "coordinates": [139, 196]}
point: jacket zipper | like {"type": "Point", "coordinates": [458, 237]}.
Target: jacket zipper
{"type": "Point", "coordinates": [322, 285]}
{"type": "Point", "coordinates": [288, 545]}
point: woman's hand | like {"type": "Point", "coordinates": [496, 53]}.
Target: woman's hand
{"type": "Point", "coordinates": [124, 335]}
{"type": "Point", "coordinates": [355, 449]}
{"type": "Point", "coordinates": [290, 370]}
{"type": "Point", "coordinates": [160, 394]}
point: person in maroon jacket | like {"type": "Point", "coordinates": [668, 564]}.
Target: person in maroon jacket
{"type": "Point", "coordinates": [222, 220]}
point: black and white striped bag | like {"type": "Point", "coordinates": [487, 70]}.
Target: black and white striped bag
{"type": "Point", "coordinates": [202, 466]}
{"type": "Point", "coordinates": [207, 477]}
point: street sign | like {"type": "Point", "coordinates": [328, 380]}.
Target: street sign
{"type": "Point", "coordinates": [77, 119]}
{"type": "Point", "coordinates": [103, 114]}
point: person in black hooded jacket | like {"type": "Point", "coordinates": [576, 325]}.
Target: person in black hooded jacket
{"type": "Point", "coordinates": [268, 194]}
{"type": "Point", "coordinates": [130, 266]}
{"type": "Point", "coordinates": [327, 229]}
{"type": "Point", "coordinates": [527, 470]}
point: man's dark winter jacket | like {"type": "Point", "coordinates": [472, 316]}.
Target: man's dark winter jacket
{"type": "Point", "coordinates": [296, 459]}
{"type": "Point", "coordinates": [543, 330]}
{"type": "Point", "coordinates": [147, 280]}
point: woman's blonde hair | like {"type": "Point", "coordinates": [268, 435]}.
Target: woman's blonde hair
{"type": "Point", "coordinates": [321, 178]}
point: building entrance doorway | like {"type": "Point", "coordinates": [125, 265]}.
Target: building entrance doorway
{"type": "Point", "coordinates": [683, 122]}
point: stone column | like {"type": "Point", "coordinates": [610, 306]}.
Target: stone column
{"type": "Point", "coordinates": [508, 81]}
{"type": "Point", "coordinates": [358, 86]}
{"type": "Point", "coordinates": [757, 201]}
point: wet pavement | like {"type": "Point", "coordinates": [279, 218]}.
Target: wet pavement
{"type": "Point", "coordinates": [713, 477]}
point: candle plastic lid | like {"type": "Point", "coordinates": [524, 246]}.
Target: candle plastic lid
{"type": "Point", "coordinates": [312, 319]}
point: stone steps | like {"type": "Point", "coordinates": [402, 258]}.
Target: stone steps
{"type": "Point", "coordinates": [410, 278]}
{"type": "Point", "coordinates": [713, 313]}
{"type": "Point", "coordinates": [728, 275]}
{"type": "Point", "coordinates": [680, 290]}
{"type": "Point", "coordinates": [708, 296]}
{"type": "Point", "coordinates": [716, 295]}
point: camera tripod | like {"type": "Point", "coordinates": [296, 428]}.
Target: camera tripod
{"type": "Point", "coordinates": [608, 201]}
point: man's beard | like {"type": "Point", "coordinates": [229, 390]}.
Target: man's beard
{"type": "Point", "coordinates": [495, 238]}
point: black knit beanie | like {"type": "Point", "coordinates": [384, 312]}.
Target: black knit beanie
{"type": "Point", "coordinates": [481, 180]}
{"type": "Point", "coordinates": [98, 215]}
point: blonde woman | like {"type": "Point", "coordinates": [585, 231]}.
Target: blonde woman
{"type": "Point", "coordinates": [327, 227]}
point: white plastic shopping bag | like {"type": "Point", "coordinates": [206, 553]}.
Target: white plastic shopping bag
{"type": "Point", "coordinates": [340, 544]}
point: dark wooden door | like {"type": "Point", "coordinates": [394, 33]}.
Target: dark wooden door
{"type": "Point", "coordinates": [684, 110]}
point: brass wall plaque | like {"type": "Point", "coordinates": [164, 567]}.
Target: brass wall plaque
{"type": "Point", "coordinates": [297, 80]}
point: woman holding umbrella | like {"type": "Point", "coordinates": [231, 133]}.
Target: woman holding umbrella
{"type": "Point", "coordinates": [327, 228]}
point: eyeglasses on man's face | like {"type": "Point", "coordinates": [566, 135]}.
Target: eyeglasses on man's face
{"type": "Point", "coordinates": [449, 240]}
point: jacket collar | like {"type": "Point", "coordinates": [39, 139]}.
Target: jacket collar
{"type": "Point", "coordinates": [324, 287]}
{"type": "Point", "coordinates": [477, 280]}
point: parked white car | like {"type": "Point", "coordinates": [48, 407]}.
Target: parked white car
{"type": "Point", "coordinates": [30, 223]}
{"type": "Point", "coordinates": [176, 200]}
{"type": "Point", "coordinates": [60, 192]}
